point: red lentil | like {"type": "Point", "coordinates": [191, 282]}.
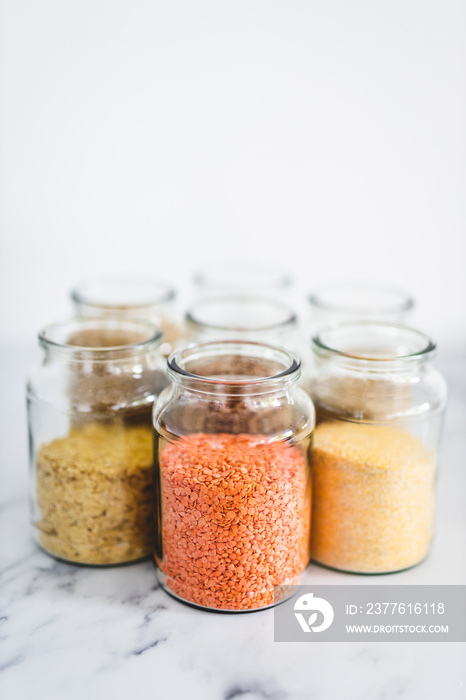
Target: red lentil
{"type": "Point", "coordinates": [235, 518]}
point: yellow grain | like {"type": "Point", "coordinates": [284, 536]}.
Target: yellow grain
{"type": "Point", "coordinates": [95, 494]}
{"type": "Point", "coordinates": [373, 504]}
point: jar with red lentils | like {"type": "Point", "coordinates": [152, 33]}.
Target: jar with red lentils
{"type": "Point", "coordinates": [233, 480]}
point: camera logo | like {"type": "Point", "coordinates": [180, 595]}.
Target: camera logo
{"type": "Point", "coordinates": [308, 607]}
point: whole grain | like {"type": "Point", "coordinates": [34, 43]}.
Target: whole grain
{"type": "Point", "coordinates": [95, 494]}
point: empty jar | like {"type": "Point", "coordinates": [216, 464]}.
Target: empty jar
{"type": "Point", "coordinates": [233, 482]}
{"type": "Point", "coordinates": [239, 277]}
{"type": "Point", "coordinates": [242, 317]}
{"type": "Point", "coordinates": [91, 449]}
{"type": "Point", "coordinates": [350, 301]}
{"type": "Point", "coordinates": [132, 297]}
{"type": "Point", "coordinates": [380, 406]}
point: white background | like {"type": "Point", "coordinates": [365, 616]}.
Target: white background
{"type": "Point", "coordinates": [152, 135]}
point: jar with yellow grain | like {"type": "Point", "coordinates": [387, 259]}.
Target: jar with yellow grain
{"type": "Point", "coordinates": [380, 405]}
{"type": "Point", "coordinates": [90, 434]}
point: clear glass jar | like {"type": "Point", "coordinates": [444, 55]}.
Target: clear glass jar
{"type": "Point", "coordinates": [132, 297]}
{"type": "Point", "coordinates": [380, 406]}
{"type": "Point", "coordinates": [233, 484]}
{"type": "Point", "coordinates": [90, 433]}
{"type": "Point", "coordinates": [351, 301]}
{"type": "Point", "coordinates": [242, 317]}
{"type": "Point", "coordinates": [239, 277]}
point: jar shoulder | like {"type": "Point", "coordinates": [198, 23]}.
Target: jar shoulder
{"type": "Point", "coordinates": [89, 387]}
{"type": "Point", "coordinates": [377, 396]}
{"type": "Point", "coordinates": [178, 413]}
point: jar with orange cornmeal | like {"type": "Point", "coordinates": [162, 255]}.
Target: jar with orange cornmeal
{"type": "Point", "coordinates": [380, 406]}
{"type": "Point", "coordinates": [233, 485]}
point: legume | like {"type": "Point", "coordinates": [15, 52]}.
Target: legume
{"type": "Point", "coordinates": [235, 518]}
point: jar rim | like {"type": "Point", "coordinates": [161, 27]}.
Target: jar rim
{"type": "Point", "coordinates": [380, 298]}
{"type": "Point", "coordinates": [234, 275]}
{"type": "Point", "coordinates": [216, 349]}
{"type": "Point", "coordinates": [153, 335]}
{"type": "Point", "coordinates": [287, 315]}
{"type": "Point", "coordinates": [426, 347]}
{"type": "Point", "coordinates": [147, 292]}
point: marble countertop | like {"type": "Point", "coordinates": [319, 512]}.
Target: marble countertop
{"type": "Point", "coordinates": [76, 632]}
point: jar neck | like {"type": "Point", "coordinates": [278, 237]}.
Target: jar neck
{"type": "Point", "coordinates": [233, 368]}
{"type": "Point", "coordinates": [90, 339]}
{"type": "Point", "coordinates": [375, 347]}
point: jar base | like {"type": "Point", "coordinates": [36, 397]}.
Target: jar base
{"type": "Point", "coordinates": [279, 597]}
{"type": "Point", "coordinates": [368, 573]}
{"type": "Point", "coordinates": [88, 565]}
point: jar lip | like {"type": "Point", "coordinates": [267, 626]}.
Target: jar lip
{"type": "Point", "coordinates": [426, 346]}
{"type": "Point", "coordinates": [287, 315]}
{"type": "Point", "coordinates": [88, 323]}
{"type": "Point", "coordinates": [138, 293]}
{"type": "Point", "coordinates": [216, 349]}
{"type": "Point", "coordinates": [391, 298]}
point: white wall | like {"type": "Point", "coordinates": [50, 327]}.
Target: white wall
{"type": "Point", "coordinates": [150, 135]}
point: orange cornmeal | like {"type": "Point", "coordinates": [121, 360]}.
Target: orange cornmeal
{"type": "Point", "coordinates": [374, 498]}
{"type": "Point", "coordinates": [235, 518]}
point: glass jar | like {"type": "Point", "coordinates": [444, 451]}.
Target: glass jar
{"type": "Point", "coordinates": [132, 297]}
{"type": "Point", "coordinates": [239, 277]}
{"type": "Point", "coordinates": [379, 405]}
{"type": "Point", "coordinates": [233, 487]}
{"type": "Point", "coordinates": [242, 317]}
{"type": "Point", "coordinates": [350, 301]}
{"type": "Point", "coordinates": [90, 433]}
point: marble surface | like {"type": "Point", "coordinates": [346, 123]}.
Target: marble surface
{"type": "Point", "coordinates": [75, 632]}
